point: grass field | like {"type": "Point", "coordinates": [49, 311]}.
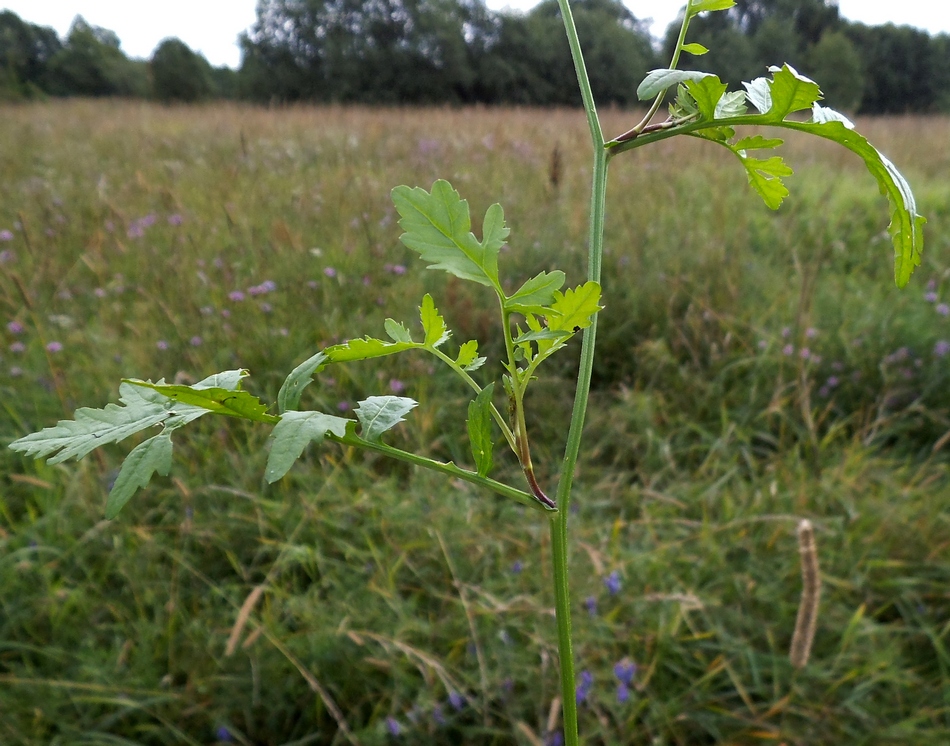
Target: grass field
{"type": "Point", "coordinates": [755, 368]}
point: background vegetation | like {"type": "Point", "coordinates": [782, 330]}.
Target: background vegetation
{"type": "Point", "coordinates": [756, 368]}
{"type": "Point", "coordinates": [458, 51]}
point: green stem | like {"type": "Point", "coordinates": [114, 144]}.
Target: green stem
{"type": "Point", "coordinates": [445, 468]}
{"type": "Point", "coordinates": [559, 553]}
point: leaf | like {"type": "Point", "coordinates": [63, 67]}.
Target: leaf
{"type": "Point", "coordinates": [377, 414]}
{"type": "Point", "coordinates": [787, 92]}
{"type": "Point", "coordinates": [92, 428]}
{"type": "Point", "coordinates": [479, 430]}
{"type": "Point", "coordinates": [148, 457]}
{"type": "Point", "coordinates": [536, 293]}
{"type": "Point", "coordinates": [437, 225]}
{"type": "Point", "coordinates": [293, 433]}
{"type": "Point", "coordinates": [541, 334]}
{"type": "Point", "coordinates": [432, 323]}
{"type": "Point", "coordinates": [397, 331]}
{"type": "Point", "coordinates": [732, 104]}
{"type": "Point", "coordinates": [906, 227]}
{"type": "Point", "coordinates": [468, 356]}
{"type": "Point", "coordinates": [300, 377]}
{"type": "Point", "coordinates": [706, 92]}
{"type": "Point", "coordinates": [658, 81]}
{"type": "Point", "coordinates": [229, 402]}
{"type": "Point", "coordinates": [228, 379]}
{"type": "Point", "coordinates": [765, 176]}
{"type": "Point", "coordinates": [756, 142]}
{"type": "Point", "coordinates": [576, 308]}
{"type": "Point", "coordinates": [699, 6]}
{"type": "Point", "coordinates": [694, 49]}
{"type": "Point", "coordinates": [365, 349]}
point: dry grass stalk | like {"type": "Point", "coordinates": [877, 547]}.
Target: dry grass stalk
{"type": "Point", "coordinates": [807, 620]}
{"type": "Point", "coordinates": [246, 608]}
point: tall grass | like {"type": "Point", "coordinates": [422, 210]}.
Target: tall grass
{"type": "Point", "coordinates": [756, 368]}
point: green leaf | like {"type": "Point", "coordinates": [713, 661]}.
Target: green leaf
{"type": "Point", "coordinates": [397, 331]}
{"type": "Point", "coordinates": [432, 323]}
{"type": "Point", "coordinates": [658, 81]}
{"type": "Point", "coordinates": [765, 176]}
{"type": "Point", "coordinates": [906, 227]}
{"type": "Point", "coordinates": [706, 92]}
{"type": "Point", "coordinates": [229, 402]}
{"type": "Point", "coordinates": [732, 104]}
{"type": "Point", "coordinates": [699, 6]}
{"type": "Point", "coordinates": [365, 349]}
{"type": "Point", "coordinates": [92, 428]}
{"type": "Point", "coordinates": [228, 379]}
{"type": "Point", "coordinates": [787, 92]}
{"type": "Point", "coordinates": [377, 414]}
{"type": "Point", "coordinates": [468, 356]}
{"type": "Point", "coordinates": [437, 225]}
{"type": "Point", "coordinates": [536, 293]}
{"type": "Point", "coordinates": [575, 308]}
{"type": "Point", "coordinates": [694, 49]}
{"type": "Point", "coordinates": [148, 457]}
{"type": "Point", "coordinates": [541, 334]}
{"type": "Point", "coordinates": [293, 433]}
{"type": "Point", "coordinates": [756, 142]}
{"type": "Point", "coordinates": [300, 377]}
{"type": "Point", "coordinates": [479, 430]}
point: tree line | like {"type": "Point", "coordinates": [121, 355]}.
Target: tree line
{"type": "Point", "coordinates": [460, 52]}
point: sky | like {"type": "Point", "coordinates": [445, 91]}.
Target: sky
{"type": "Point", "coordinates": [212, 26]}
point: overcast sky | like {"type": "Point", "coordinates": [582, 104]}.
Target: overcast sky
{"type": "Point", "coordinates": [211, 26]}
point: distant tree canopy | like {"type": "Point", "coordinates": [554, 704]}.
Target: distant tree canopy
{"type": "Point", "coordinates": [458, 51]}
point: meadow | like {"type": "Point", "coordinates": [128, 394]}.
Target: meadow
{"type": "Point", "coordinates": [755, 368]}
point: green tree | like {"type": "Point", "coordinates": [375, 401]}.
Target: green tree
{"type": "Point", "coordinates": [91, 64]}
{"type": "Point", "coordinates": [835, 61]}
{"type": "Point", "coordinates": [179, 74]}
{"type": "Point", "coordinates": [25, 52]}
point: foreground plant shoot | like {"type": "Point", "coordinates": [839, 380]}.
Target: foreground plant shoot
{"type": "Point", "coordinates": [537, 319]}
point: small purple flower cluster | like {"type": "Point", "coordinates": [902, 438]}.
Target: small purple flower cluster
{"type": "Point", "coordinates": [137, 227]}
{"type": "Point", "coordinates": [268, 286]}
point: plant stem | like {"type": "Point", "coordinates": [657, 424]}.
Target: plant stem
{"type": "Point", "coordinates": [562, 597]}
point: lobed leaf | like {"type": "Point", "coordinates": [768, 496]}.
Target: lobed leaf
{"type": "Point", "coordinates": [377, 414]}
{"type": "Point", "coordinates": [479, 425]}
{"type": "Point", "coordinates": [397, 331]}
{"type": "Point", "coordinates": [658, 81]}
{"type": "Point", "coordinates": [788, 91]}
{"type": "Point", "coordinates": [468, 358]}
{"type": "Point", "coordinates": [148, 457]}
{"type": "Point", "coordinates": [293, 433]}
{"type": "Point", "coordinates": [365, 349]}
{"type": "Point", "coordinates": [756, 142]}
{"type": "Point", "coordinates": [706, 92]}
{"type": "Point", "coordinates": [228, 402]}
{"type": "Point", "coordinates": [575, 308]}
{"type": "Point", "coordinates": [432, 323]}
{"type": "Point", "coordinates": [92, 428]}
{"type": "Point", "coordinates": [765, 176]}
{"type": "Point", "coordinates": [437, 225]}
{"type": "Point", "coordinates": [300, 377]}
{"type": "Point", "coordinates": [536, 293]}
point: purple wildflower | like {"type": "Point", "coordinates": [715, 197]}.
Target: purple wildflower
{"type": "Point", "coordinates": [6, 235]}
{"type": "Point", "coordinates": [811, 332]}
{"type": "Point", "coordinates": [438, 717]}
{"type": "Point", "coordinates": [16, 371]}
{"type": "Point", "coordinates": [161, 344]}
{"type": "Point", "coordinates": [15, 327]}
{"type": "Point", "coordinates": [941, 348]}
{"type": "Point", "coordinates": [786, 331]}
{"type": "Point", "coordinates": [832, 382]}
{"type": "Point", "coordinates": [930, 296]}
{"type": "Point", "coordinates": [943, 309]}
{"type": "Point", "coordinates": [6, 256]}
{"type": "Point", "coordinates": [207, 310]}
{"type": "Point", "coordinates": [17, 348]}
{"type": "Point", "coordinates": [763, 344]}
{"type": "Point", "coordinates": [367, 281]}
{"type": "Point", "coordinates": [224, 734]}
{"type": "Point", "coordinates": [236, 296]}
{"type": "Point", "coordinates": [788, 350]}
{"type": "Point", "coordinates": [456, 700]}
{"type": "Point", "coordinates": [583, 689]}
{"type": "Point", "coordinates": [393, 726]}
{"type": "Point", "coordinates": [623, 692]}
{"type": "Point", "coordinates": [517, 567]}
{"type": "Point", "coordinates": [343, 406]}
{"type": "Point", "coordinates": [805, 353]}
{"type": "Point", "coordinates": [226, 313]}
{"type": "Point", "coordinates": [612, 583]}
{"type": "Point", "coordinates": [625, 670]}
{"type": "Point", "coordinates": [397, 386]}
{"type": "Point", "coordinates": [175, 219]}
{"type": "Point", "coordinates": [135, 231]}
{"type": "Point", "coordinates": [266, 307]}
{"type": "Point", "coordinates": [195, 341]}
{"type": "Point", "coordinates": [427, 146]}
{"type": "Point", "coordinates": [824, 392]}
{"type": "Point", "coordinates": [148, 220]}
{"type": "Point", "coordinates": [54, 347]}
{"type": "Point", "coordinates": [312, 284]}
{"type": "Point", "coordinates": [554, 739]}
{"type": "Point", "coordinates": [399, 269]}
{"type": "Point", "coordinates": [268, 286]}
{"type": "Point", "coordinates": [329, 272]}
{"type": "Point", "coordinates": [590, 603]}
{"type": "Point", "coordinates": [99, 292]}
